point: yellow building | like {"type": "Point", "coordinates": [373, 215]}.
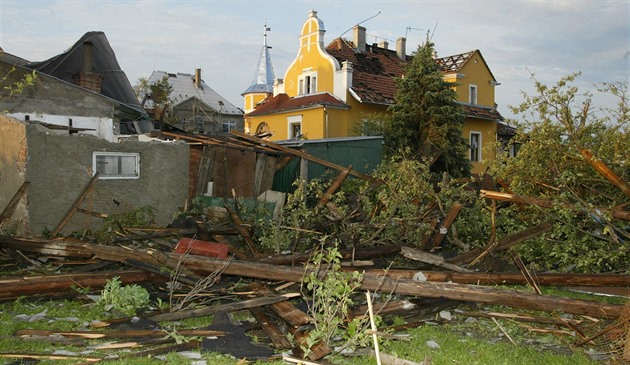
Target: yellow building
{"type": "Point", "coordinates": [327, 90]}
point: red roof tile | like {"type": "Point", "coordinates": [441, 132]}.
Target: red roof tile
{"type": "Point", "coordinates": [282, 102]}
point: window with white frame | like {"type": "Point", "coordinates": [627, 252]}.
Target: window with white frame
{"type": "Point", "coordinates": [294, 126]}
{"type": "Point", "coordinates": [307, 83]}
{"type": "Point", "coordinates": [228, 125]}
{"type": "Point", "coordinates": [475, 146]}
{"type": "Point", "coordinates": [472, 94]}
{"type": "Point", "coordinates": [116, 165]}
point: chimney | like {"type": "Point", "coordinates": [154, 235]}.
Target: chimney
{"type": "Point", "coordinates": [400, 48]}
{"type": "Point", "coordinates": [359, 37]}
{"type": "Point", "coordinates": [86, 78]}
{"type": "Point", "coordinates": [198, 78]}
{"type": "Point", "coordinates": [87, 57]}
{"type": "Point", "coordinates": [383, 44]}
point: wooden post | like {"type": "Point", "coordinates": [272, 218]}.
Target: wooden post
{"type": "Point", "coordinates": [8, 210]}
{"type": "Point", "coordinates": [75, 206]}
{"type": "Point", "coordinates": [334, 186]}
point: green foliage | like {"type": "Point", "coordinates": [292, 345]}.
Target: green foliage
{"type": "Point", "coordinates": [426, 117]}
{"type": "Point", "coordinates": [11, 87]}
{"type": "Point", "coordinates": [331, 297]}
{"type": "Point", "coordinates": [141, 217]}
{"type": "Point", "coordinates": [394, 209]}
{"type": "Point", "coordinates": [300, 218]}
{"type": "Point", "coordinates": [557, 123]}
{"type": "Point", "coordinates": [125, 299]}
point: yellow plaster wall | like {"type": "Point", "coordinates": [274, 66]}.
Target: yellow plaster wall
{"type": "Point", "coordinates": [488, 131]}
{"type": "Point", "coordinates": [311, 56]}
{"type": "Point", "coordinates": [477, 73]}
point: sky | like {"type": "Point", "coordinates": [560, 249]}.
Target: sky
{"type": "Point", "coordinates": [518, 39]}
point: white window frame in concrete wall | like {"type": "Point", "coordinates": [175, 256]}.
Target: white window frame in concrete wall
{"type": "Point", "coordinates": [473, 94]}
{"type": "Point", "coordinates": [228, 125]}
{"type": "Point", "coordinates": [307, 82]}
{"type": "Point", "coordinates": [476, 158]}
{"type": "Point", "coordinates": [292, 121]}
{"type": "Point", "coordinates": [131, 165]}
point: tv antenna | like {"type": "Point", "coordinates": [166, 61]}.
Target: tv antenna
{"type": "Point", "coordinates": [363, 21]}
{"type": "Point", "coordinates": [410, 28]}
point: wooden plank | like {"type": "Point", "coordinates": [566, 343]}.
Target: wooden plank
{"type": "Point", "coordinates": [285, 310]}
{"type": "Point", "coordinates": [300, 154]}
{"type": "Point", "coordinates": [359, 253]}
{"type": "Point", "coordinates": [279, 340]}
{"type": "Point", "coordinates": [446, 225]}
{"type": "Point", "coordinates": [606, 172]}
{"type": "Point", "coordinates": [118, 333]}
{"type": "Point", "coordinates": [334, 186]}
{"type": "Point", "coordinates": [482, 278]}
{"type": "Point", "coordinates": [75, 205]}
{"type": "Point", "coordinates": [7, 212]}
{"type": "Point", "coordinates": [228, 307]}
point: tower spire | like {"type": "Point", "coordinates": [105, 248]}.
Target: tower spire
{"type": "Point", "coordinates": [263, 77]}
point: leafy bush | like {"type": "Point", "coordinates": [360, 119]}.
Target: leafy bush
{"type": "Point", "coordinates": [125, 299]}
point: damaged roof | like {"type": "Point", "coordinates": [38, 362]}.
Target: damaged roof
{"type": "Point", "coordinates": [374, 71]}
{"type": "Point", "coordinates": [184, 88]}
{"type": "Point", "coordinates": [66, 65]}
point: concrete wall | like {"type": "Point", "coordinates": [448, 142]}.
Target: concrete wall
{"type": "Point", "coordinates": [13, 171]}
{"type": "Point", "coordinates": [60, 166]}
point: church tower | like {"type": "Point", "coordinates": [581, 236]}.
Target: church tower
{"type": "Point", "coordinates": [262, 85]}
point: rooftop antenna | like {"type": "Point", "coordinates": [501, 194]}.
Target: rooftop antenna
{"type": "Point", "coordinates": [363, 21]}
{"type": "Point", "coordinates": [432, 33]}
{"type": "Point", "coordinates": [410, 28]}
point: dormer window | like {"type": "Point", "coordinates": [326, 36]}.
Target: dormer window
{"type": "Point", "coordinates": [472, 93]}
{"type": "Point", "coordinates": [307, 83]}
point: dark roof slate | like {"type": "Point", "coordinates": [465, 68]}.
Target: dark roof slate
{"type": "Point", "coordinates": [65, 66]}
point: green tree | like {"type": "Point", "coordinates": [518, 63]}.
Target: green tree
{"type": "Point", "coordinates": [426, 117]}
{"type": "Point", "coordinates": [158, 92]}
{"type": "Point", "coordinates": [556, 124]}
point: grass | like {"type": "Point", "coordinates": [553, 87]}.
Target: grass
{"type": "Point", "coordinates": [460, 341]}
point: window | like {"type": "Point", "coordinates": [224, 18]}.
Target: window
{"type": "Point", "coordinates": [228, 125]}
{"type": "Point", "coordinates": [472, 92]}
{"type": "Point", "coordinates": [307, 83]}
{"type": "Point", "coordinates": [475, 146]}
{"type": "Point", "coordinates": [116, 165]}
{"type": "Point", "coordinates": [295, 127]}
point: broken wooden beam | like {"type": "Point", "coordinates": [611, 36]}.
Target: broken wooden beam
{"type": "Point", "coordinates": [446, 225]}
{"type": "Point", "coordinates": [13, 288]}
{"type": "Point", "coordinates": [277, 337]}
{"type": "Point", "coordinates": [503, 244]}
{"type": "Point", "coordinates": [75, 206]}
{"type": "Point", "coordinates": [334, 186]}
{"type": "Point", "coordinates": [118, 333]}
{"type": "Point", "coordinates": [7, 212]}
{"type": "Point", "coordinates": [227, 307]}
{"type": "Point", "coordinates": [467, 293]}
{"type": "Point", "coordinates": [429, 258]}
{"type": "Point", "coordinates": [606, 172]}
{"type": "Point", "coordinates": [546, 203]}
{"type": "Point", "coordinates": [358, 253]}
{"type": "Point", "coordinates": [481, 278]}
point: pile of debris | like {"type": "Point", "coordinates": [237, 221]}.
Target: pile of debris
{"type": "Point", "coordinates": [181, 260]}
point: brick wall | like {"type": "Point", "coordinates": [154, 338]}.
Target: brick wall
{"type": "Point", "coordinates": [89, 80]}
